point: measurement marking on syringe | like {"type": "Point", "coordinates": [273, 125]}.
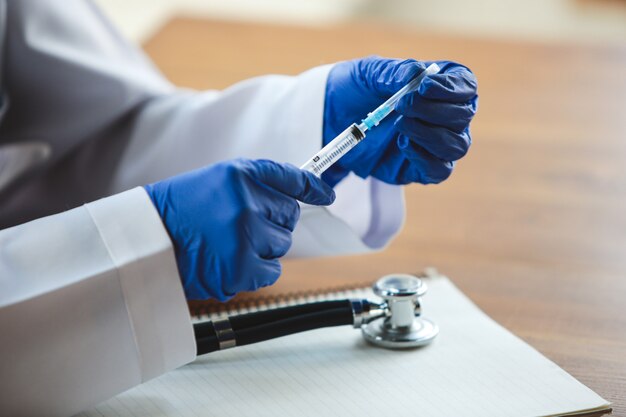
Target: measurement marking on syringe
{"type": "Point", "coordinates": [328, 159]}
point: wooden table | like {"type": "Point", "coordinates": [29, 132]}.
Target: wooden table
{"type": "Point", "coordinates": [532, 225]}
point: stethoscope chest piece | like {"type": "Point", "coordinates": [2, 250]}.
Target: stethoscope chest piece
{"type": "Point", "coordinates": [403, 327]}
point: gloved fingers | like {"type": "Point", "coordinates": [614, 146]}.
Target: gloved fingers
{"type": "Point", "coordinates": [273, 242]}
{"type": "Point", "coordinates": [456, 84]}
{"type": "Point", "coordinates": [279, 208]}
{"type": "Point", "coordinates": [424, 167]}
{"type": "Point", "coordinates": [284, 212]}
{"type": "Point", "coordinates": [441, 142]}
{"type": "Point", "coordinates": [293, 182]}
{"type": "Point", "coordinates": [454, 116]}
{"type": "Point", "coordinates": [269, 272]}
{"type": "Point", "coordinates": [407, 173]}
{"type": "Point", "coordinates": [385, 76]}
{"type": "Point", "coordinates": [389, 163]}
{"type": "Point", "coordinates": [257, 274]}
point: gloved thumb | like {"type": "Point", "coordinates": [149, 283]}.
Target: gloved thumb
{"type": "Point", "coordinates": [385, 76]}
{"type": "Point", "coordinates": [294, 182]}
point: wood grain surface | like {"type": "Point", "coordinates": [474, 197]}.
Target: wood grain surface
{"type": "Point", "coordinates": [532, 224]}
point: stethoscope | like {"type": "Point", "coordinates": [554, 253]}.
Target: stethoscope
{"type": "Point", "coordinates": [394, 323]}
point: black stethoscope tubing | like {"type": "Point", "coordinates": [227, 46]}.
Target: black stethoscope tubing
{"type": "Point", "coordinates": [269, 324]}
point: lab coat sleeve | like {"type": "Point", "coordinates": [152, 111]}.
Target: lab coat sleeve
{"type": "Point", "coordinates": [275, 117]}
{"type": "Point", "coordinates": [90, 305]}
{"type": "Point", "coordinates": [111, 122]}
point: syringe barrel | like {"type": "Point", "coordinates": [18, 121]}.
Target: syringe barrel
{"type": "Point", "coordinates": [334, 150]}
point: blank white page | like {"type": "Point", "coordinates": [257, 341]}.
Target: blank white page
{"type": "Point", "coordinates": [475, 367]}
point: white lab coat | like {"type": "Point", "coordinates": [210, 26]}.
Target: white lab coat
{"type": "Point", "coordinates": [90, 299]}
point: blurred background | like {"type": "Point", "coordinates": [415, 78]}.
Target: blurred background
{"type": "Point", "coordinates": [586, 21]}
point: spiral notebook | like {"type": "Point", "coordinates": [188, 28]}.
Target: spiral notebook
{"type": "Point", "coordinates": [269, 298]}
{"type": "Point", "coordinates": [475, 367]}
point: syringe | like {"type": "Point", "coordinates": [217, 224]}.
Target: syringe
{"type": "Point", "coordinates": [349, 138]}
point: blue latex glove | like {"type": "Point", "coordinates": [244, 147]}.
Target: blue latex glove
{"type": "Point", "coordinates": [418, 142]}
{"type": "Point", "coordinates": [229, 222]}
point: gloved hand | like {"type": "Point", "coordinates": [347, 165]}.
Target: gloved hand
{"type": "Point", "coordinates": [229, 222]}
{"type": "Point", "coordinates": [418, 142]}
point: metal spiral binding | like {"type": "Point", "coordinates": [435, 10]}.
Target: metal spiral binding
{"type": "Point", "coordinates": [209, 310]}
